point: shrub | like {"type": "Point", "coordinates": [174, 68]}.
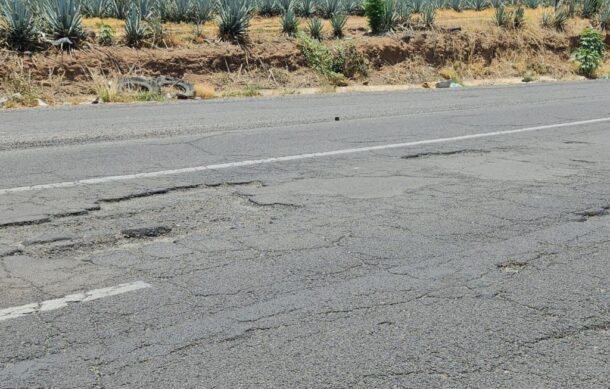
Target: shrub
{"type": "Point", "coordinates": [17, 28]}
{"type": "Point", "coordinates": [62, 19]}
{"type": "Point", "coordinates": [317, 56]}
{"type": "Point", "coordinates": [234, 19]}
{"type": "Point", "coordinates": [315, 28]}
{"type": "Point", "coordinates": [135, 30]}
{"type": "Point", "coordinates": [155, 32]}
{"type": "Point", "coordinates": [335, 65]}
{"type": "Point", "coordinates": [20, 89]}
{"type": "Point", "coordinates": [591, 51]}
{"type": "Point", "coordinates": [106, 35]}
{"type": "Point", "coordinates": [290, 23]}
{"type": "Point", "coordinates": [456, 5]}
{"type": "Point", "coordinates": [337, 22]}
{"type": "Point", "coordinates": [350, 62]}
{"type": "Point", "coordinates": [373, 9]}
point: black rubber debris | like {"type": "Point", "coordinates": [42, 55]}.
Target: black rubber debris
{"type": "Point", "coordinates": [145, 232]}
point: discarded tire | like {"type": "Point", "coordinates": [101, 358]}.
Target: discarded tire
{"type": "Point", "coordinates": [185, 90]}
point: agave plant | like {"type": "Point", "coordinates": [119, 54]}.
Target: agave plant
{"type": "Point", "coordinates": [95, 8]}
{"type": "Point", "coordinates": [417, 5]}
{"type": "Point", "coordinates": [306, 8]}
{"type": "Point", "coordinates": [315, 28]}
{"type": "Point", "coordinates": [268, 8]}
{"type": "Point", "coordinates": [62, 19]}
{"type": "Point", "coordinates": [290, 23]}
{"type": "Point", "coordinates": [337, 22]}
{"type": "Point", "coordinates": [120, 8]}
{"type": "Point", "coordinates": [518, 17]}
{"type": "Point", "coordinates": [502, 16]}
{"type": "Point", "coordinates": [497, 3]}
{"type": "Point", "coordinates": [456, 5]}
{"type": "Point", "coordinates": [285, 5]}
{"type": "Point", "coordinates": [428, 16]}
{"type": "Point", "coordinates": [179, 11]}
{"type": "Point", "coordinates": [234, 19]}
{"type": "Point", "coordinates": [560, 18]}
{"type": "Point", "coordinates": [533, 4]}
{"type": "Point", "coordinates": [146, 8]}
{"type": "Point", "coordinates": [202, 12]}
{"type": "Point", "coordinates": [404, 11]}
{"type": "Point", "coordinates": [590, 8]}
{"type": "Point", "coordinates": [17, 27]}
{"type": "Point", "coordinates": [353, 7]}
{"type": "Point", "coordinates": [389, 19]}
{"type": "Point", "coordinates": [135, 29]}
{"type": "Point", "coordinates": [480, 5]}
{"type": "Point", "coordinates": [603, 17]}
{"type": "Point", "coordinates": [328, 8]}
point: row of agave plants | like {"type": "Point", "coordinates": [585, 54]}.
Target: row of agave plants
{"type": "Point", "coordinates": [27, 25]}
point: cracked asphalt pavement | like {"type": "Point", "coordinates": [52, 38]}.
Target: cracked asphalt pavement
{"type": "Point", "coordinates": [476, 262]}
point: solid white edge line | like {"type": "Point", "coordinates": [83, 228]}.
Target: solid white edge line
{"type": "Point", "coordinates": [228, 165]}
{"type": "Point", "coordinates": [83, 297]}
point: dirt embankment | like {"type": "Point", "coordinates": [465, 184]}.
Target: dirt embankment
{"type": "Point", "coordinates": [434, 48]}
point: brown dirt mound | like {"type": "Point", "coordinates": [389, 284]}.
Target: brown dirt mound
{"type": "Point", "coordinates": [435, 48]}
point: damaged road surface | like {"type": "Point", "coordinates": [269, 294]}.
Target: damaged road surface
{"type": "Point", "coordinates": [456, 238]}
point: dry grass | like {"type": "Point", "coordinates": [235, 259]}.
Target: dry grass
{"type": "Point", "coordinates": [205, 91]}
{"type": "Point", "coordinates": [106, 88]}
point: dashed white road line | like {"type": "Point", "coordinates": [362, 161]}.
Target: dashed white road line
{"type": "Point", "coordinates": [228, 165]}
{"type": "Point", "coordinates": [51, 305]}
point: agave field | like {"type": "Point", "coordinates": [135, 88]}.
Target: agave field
{"type": "Point", "coordinates": [28, 25]}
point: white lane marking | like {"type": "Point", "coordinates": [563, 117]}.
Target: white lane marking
{"type": "Point", "coordinates": [51, 305]}
{"type": "Point", "coordinates": [228, 165]}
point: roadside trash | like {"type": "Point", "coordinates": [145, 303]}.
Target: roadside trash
{"type": "Point", "coordinates": [448, 84]}
{"type": "Point", "coordinates": [185, 90]}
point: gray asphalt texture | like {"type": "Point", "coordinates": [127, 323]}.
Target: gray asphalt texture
{"type": "Point", "coordinates": [475, 263]}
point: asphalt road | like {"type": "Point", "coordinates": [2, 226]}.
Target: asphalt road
{"type": "Point", "coordinates": [450, 238]}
